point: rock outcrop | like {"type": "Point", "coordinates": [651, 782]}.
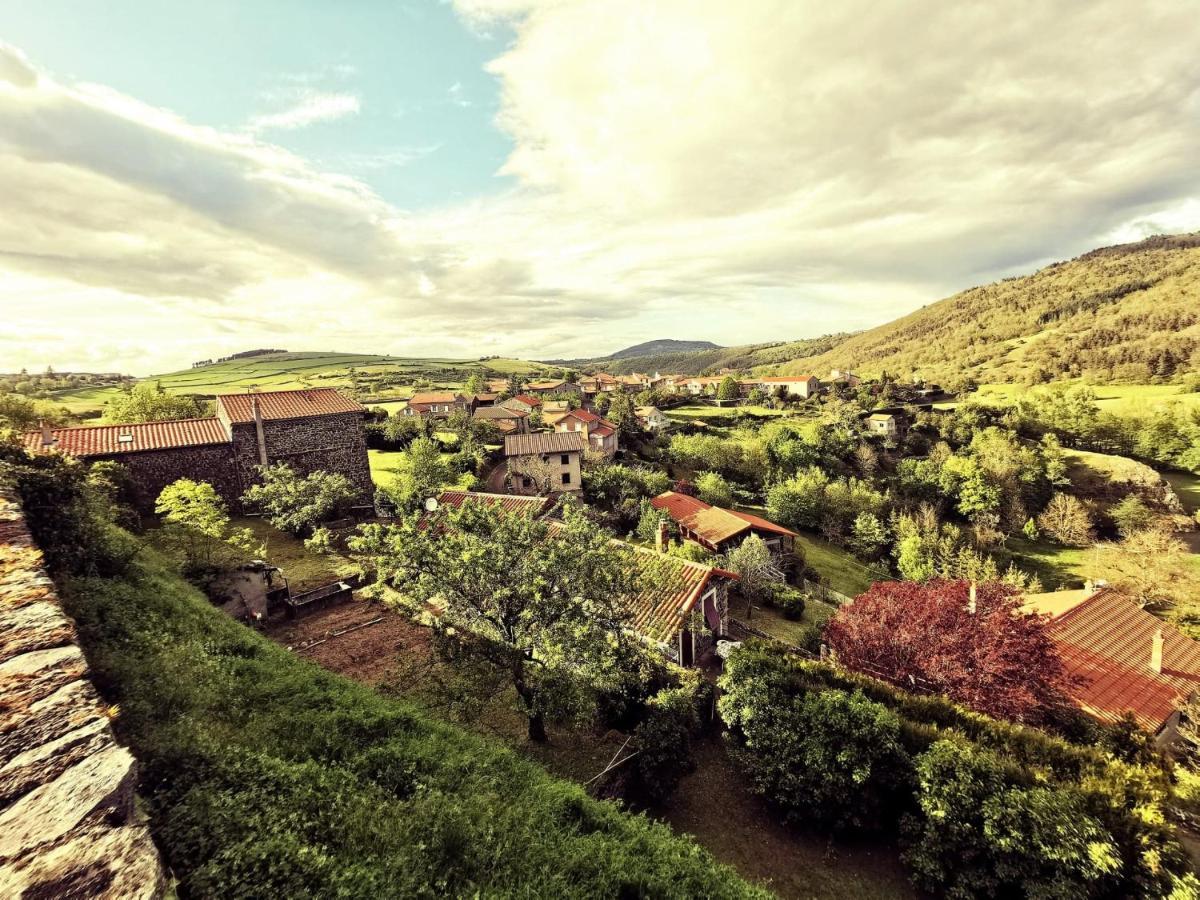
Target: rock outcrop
{"type": "Point", "coordinates": [68, 827]}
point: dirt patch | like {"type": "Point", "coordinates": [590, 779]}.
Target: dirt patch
{"type": "Point", "coordinates": [361, 639]}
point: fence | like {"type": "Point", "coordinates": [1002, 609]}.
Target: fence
{"type": "Point", "coordinates": [322, 597]}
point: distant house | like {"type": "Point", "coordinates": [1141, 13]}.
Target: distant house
{"type": "Point", "coordinates": [434, 404]}
{"type": "Point", "coordinates": [651, 418]}
{"type": "Point", "coordinates": [485, 399]}
{"type": "Point", "coordinates": [540, 388]}
{"type": "Point", "coordinates": [793, 385]}
{"type": "Point", "coordinates": [721, 530]}
{"type": "Point", "coordinates": [544, 462]}
{"type": "Point", "coordinates": [525, 403]}
{"type": "Point", "coordinates": [507, 421]}
{"type": "Point", "coordinates": [599, 434]}
{"type": "Point", "coordinates": [600, 383]}
{"type": "Point", "coordinates": [849, 379]}
{"type": "Point", "coordinates": [698, 386]}
{"type": "Point", "coordinates": [884, 424]}
{"type": "Point", "coordinates": [1121, 659]}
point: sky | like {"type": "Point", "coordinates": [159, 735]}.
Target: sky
{"type": "Point", "coordinates": [561, 178]}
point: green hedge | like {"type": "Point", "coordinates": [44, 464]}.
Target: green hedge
{"type": "Point", "coordinates": [264, 775]}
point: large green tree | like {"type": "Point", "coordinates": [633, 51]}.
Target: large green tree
{"type": "Point", "coordinates": [298, 503]}
{"type": "Point", "coordinates": [542, 603]}
{"type": "Point", "coordinates": [147, 402]}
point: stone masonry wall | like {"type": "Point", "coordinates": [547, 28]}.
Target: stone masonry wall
{"type": "Point", "coordinates": [332, 443]}
{"type": "Point", "coordinates": [153, 470]}
{"type": "Point", "coordinates": [68, 827]}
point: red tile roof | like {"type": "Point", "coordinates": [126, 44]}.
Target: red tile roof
{"type": "Point", "coordinates": [693, 513]}
{"type": "Point", "coordinates": [530, 506]}
{"type": "Point", "coordinates": [238, 408]}
{"type": "Point", "coordinates": [1105, 641]}
{"type": "Point", "coordinates": [715, 525]}
{"type": "Point", "coordinates": [787, 379]}
{"type": "Point", "coordinates": [105, 440]}
{"type": "Point", "coordinates": [760, 523]}
{"type": "Point", "coordinates": [432, 397]}
{"type": "Point", "coordinates": [678, 506]}
{"type": "Point", "coordinates": [528, 400]}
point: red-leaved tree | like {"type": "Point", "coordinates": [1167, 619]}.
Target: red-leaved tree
{"type": "Point", "coordinates": [994, 659]}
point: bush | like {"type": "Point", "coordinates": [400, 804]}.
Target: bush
{"type": "Point", "coordinates": [832, 758]}
{"type": "Point", "coordinates": [663, 742]}
{"type": "Point", "coordinates": [790, 601]}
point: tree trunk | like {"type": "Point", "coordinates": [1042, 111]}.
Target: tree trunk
{"type": "Point", "coordinates": [537, 722]}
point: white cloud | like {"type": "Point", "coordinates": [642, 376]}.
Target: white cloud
{"type": "Point", "coordinates": [310, 108]}
{"type": "Point", "coordinates": [686, 168]}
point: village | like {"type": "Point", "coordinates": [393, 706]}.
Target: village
{"type": "Point", "coordinates": [345, 514]}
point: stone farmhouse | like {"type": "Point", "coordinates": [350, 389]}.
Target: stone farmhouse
{"type": "Point", "coordinates": [310, 430]}
{"type": "Point", "coordinates": [543, 462]}
{"type": "Point", "coordinates": [721, 530]}
{"type": "Point", "coordinates": [1121, 659]}
{"type": "Point", "coordinates": [435, 404]}
{"type": "Point", "coordinates": [600, 435]}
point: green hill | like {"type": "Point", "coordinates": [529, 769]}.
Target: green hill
{"type": "Point", "coordinates": [1128, 313]}
{"type": "Point", "coordinates": [698, 362]}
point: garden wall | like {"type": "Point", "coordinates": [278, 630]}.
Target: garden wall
{"type": "Point", "coordinates": [68, 826]}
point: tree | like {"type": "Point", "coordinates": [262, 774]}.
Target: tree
{"type": "Point", "coordinates": [1131, 515]}
{"type": "Point", "coordinates": [537, 617]}
{"type": "Point", "coordinates": [621, 413]}
{"type": "Point", "coordinates": [728, 389]}
{"type": "Point", "coordinates": [197, 523]}
{"type": "Point", "coordinates": [757, 570]}
{"type": "Point", "coordinates": [22, 414]}
{"type": "Point", "coordinates": [515, 383]}
{"type": "Point", "coordinates": [991, 658]}
{"type": "Point", "coordinates": [147, 402]}
{"type": "Point", "coordinates": [1155, 569]}
{"type": "Point", "coordinates": [714, 489]}
{"type": "Point", "coordinates": [869, 537]}
{"type": "Point", "coordinates": [422, 474]}
{"type": "Point", "coordinates": [476, 384]}
{"type": "Point", "coordinates": [298, 503]}
{"type": "Point", "coordinates": [1065, 519]}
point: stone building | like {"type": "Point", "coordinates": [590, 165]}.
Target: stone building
{"type": "Point", "coordinates": [310, 430]}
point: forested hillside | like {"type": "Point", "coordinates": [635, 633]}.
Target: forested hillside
{"type": "Point", "coordinates": [701, 361]}
{"type": "Point", "coordinates": [1125, 313]}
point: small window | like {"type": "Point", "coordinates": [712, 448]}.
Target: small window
{"type": "Point", "coordinates": [125, 438]}
{"type": "Point", "coordinates": [566, 478]}
{"type": "Point", "coordinates": [565, 459]}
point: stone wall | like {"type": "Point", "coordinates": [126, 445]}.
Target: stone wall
{"type": "Point", "coordinates": [68, 827]}
{"type": "Point", "coordinates": [153, 470]}
{"type": "Point", "coordinates": [333, 443]}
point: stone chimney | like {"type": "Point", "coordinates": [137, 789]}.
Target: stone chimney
{"type": "Point", "coordinates": [47, 435]}
{"type": "Point", "coordinates": [256, 407]}
{"type": "Point", "coordinates": [1156, 652]}
{"type": "Point", "coordinates": [971, 600]}
{"type": "Point", "coordinates": [1089, 587]}
{"type": "Point", "coordinates": [662, 537]}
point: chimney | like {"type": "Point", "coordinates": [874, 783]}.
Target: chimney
{"type": "Point", "coordinates": [971, 600]}
{"type": "Point", "coordinates": [662, 537]}
{"type": "Point", "coordinates": [258, 430]}
{"type": "Point", "coordinates": [1156, 651]}
{"type": "Point", "coordinates": [47, 435]}
{"type": "Point", "coordinates": [1089, 588]}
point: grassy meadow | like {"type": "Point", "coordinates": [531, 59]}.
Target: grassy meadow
{"type": "Point", "coordinates": [1119, 399]}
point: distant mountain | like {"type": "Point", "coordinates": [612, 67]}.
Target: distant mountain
{"type": "Point", "coordinates": [699, 362]}
{"type": "Point", "coordinates": [663, 345]}
{"type": "Point", "coordinates": [1124, 313]}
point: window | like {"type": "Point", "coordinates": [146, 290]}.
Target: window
{"type": "Point", "coordinates": [565, 459]}
{"type": "Point", "coordinates": [566, 478]}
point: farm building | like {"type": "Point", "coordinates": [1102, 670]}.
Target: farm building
{"type": "Point", "coordinates": [1121, 659]}
{"type": "Point", "coordinates": [541, 462]}
{"type": "Point", "coordinates": [310, 430]}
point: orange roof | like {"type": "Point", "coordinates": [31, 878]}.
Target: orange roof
{"type": "Point", "coordinates": [432, 397]}
{"type": "Point", "coordinates": [530, 506]}
{"type": "Point", "coordinates": [1105, 641]}
{"type": "Point", "coordinates": [715, 525]}
{"type": "Point", "coordinates": [238, 408]}
{"type": "Point", "coordinates": [528, 399]}
{"type": "Point", "coordinates": [678, 506]}
{"type": "Point", "coordinates": [761, 523]}
{"type": "Point", "coordinates": [787, 379]}
{"type": "Point", "coordinates": [103, 440]}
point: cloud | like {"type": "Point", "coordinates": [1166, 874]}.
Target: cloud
{"type": "Point", "coordinates": [687, 168]}
{"type": "Point", "coordinates": [311, 108]}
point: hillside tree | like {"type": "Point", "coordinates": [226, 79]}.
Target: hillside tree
{"type": "Point", "coordinates": [147, 402]}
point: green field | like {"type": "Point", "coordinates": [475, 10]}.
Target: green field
{"type": "Point", "coordinates": [844, 572]}
{"type": "Point", "coordinates": [290, 371]}
{"type": "Point", "coordinates": [1121, 399]}
{"type": "Point", "coordinates": [695, 411]}
{"type": "Point", "coordinates": [1187, 487]}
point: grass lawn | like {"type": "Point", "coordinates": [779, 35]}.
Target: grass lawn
{"type": "Point", "coordinates": [388, 406]}
{"type": "Point", "coordinates": [386, 466]}
{"type": "Point", "coordinates": [1056, 567]}
{"type": "Point", "coordinates": [703, 411]}
{"type": "Point", "coordinates": [304, 570]}
{"type": "Point", "coordinates": [845, 573]}
{"type": "Point", "coordinates": [83, 400]}
{"type": "Point", "coordinates": [1122, 399]}
{"type": "Point", "coordinates": [1187, 487]}
{"type": "Point", "coordinates": [776, 624]}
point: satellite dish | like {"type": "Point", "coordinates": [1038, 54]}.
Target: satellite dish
{"type": "Point", "coordinates": [431, 504]}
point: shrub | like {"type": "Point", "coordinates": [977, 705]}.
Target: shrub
{"type": "Point", "coordinates": [832, 758]}
{"type": "Point", "coordinates": [663, 742]}
{"type": "Point", "coordinates": [298, 503]}
{"type": "Point", "coordinates": [791, 602]}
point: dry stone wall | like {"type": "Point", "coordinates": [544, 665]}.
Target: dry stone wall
{"type": "Point", "coordinates": [68, 827]}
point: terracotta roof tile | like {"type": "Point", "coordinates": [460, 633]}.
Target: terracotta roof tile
{"type": "Point", "coordinates": [287, 404]}
{"type": "Point", "coordinates": [678, 506]}
{"type": "Point", "coordinates": [105, 440]}
{"type": "Point", "coordinates": [433, 397]}
{"type": "Point", "coordinates": [715, 525]}
{"type": "Point", "coordinates": [530, 506]}
{"type": "Point", "coordinates": [1106, 642]}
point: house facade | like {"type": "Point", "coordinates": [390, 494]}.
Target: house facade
{"type": "Point", "coordinates": [652, 418]}
{"type": "Point", "coordinates": [801, 386]}
{"type": "Point", "coordinates": [544, 462]}
{"type": "Point", "coordinates": [599, 435]}
{"type": "Point", "coordinates": [309, 430]}
{"type": "Point", "coordinates": [435, 404]}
